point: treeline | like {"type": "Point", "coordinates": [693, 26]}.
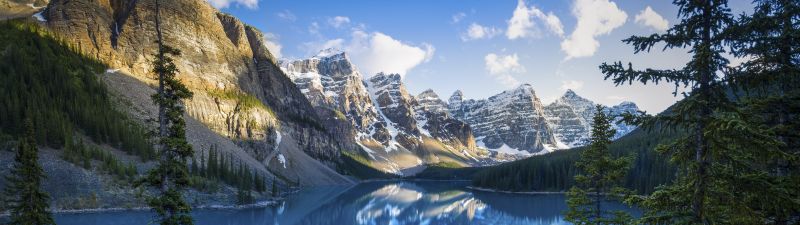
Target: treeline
{"type": "Point", "coordinates": [82, 155]}
{"type": "Point", "coordinates": [555, 171]}
{"type": "Point", "coordinates": [47, 80]}
{"type": "Point", "coordinates": [221, 168]}
{"type": "Point", "coordinates": [357, 165]}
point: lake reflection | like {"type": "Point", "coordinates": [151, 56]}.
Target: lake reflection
{"type": "Point", "coordinates": [374, 203]}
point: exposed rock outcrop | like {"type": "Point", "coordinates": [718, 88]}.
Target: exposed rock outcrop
{"type": "Point", "coordinates": [571, 117]}
{"type": "Point", "coordinates": [239, 91]}
{"type": "Point", "coordinates": [508, 122]}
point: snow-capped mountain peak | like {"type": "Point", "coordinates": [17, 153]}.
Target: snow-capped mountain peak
{"type": "Point", "coordinates": [328, 52]}
{"type": "Point", "coordinates": [571, 117]}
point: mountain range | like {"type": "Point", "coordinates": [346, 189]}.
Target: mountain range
{"type": "Point", "coordinates": [298, 121]}
{"type": "Point", "coordinates": [393, 126]}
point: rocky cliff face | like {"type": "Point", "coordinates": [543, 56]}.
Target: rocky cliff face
{"type": "Point", "coordinates": [515, 121]}
{"type": "Point", "coordinates": [422, 123]}
{"type": "Point", "coordinates": [330, 80]}
{"type": "Point", "coordinates": [239, 91]}
{"type": "Point", "coordinates": [434, 120]}
{"type": "Point", "coordinates": [617, 111]}
{"type": "Point", "coordinates": [393, 128]}
{"type": "Point", "coordinates": [510, 122]}
{"type": "Point", "coordinates": [571, 119]}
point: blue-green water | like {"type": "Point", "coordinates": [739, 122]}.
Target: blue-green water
{"type": "Point", "coordinates": [372, 203]}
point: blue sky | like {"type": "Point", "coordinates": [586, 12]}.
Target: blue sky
{"type": "Point", "coordinates": [479, 47]}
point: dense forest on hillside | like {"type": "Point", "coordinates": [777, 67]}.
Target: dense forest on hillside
{"type": "Point", "coordinates": [46, 80]}
{"type": "Point", "coordinates": [555, 171]}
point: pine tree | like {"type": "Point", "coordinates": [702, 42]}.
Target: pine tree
{"type": "Point", "coordinates": [24, 196]}
{"type": "Point", "coordinates": [170, 177]}
{"type": "Point", "coordinates": [711, 152]}
{"type": "Point", "coordinates": [770, 81]}
{"type": "Point", "coordinates": [601, 174]}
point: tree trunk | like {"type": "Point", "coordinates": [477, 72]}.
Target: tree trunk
{"type": "Point", "coordinates": [162, 110]}
{"type": "Point", "coordinates": [701, 150]}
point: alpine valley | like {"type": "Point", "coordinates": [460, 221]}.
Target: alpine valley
{"type": "Point", "coordinates": [290, 123]}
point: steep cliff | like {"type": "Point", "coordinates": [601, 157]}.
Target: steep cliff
{"type": "Point", "coordinates": [239, 91]}
{"type": "Point", "coordinates": [510, 122]}
{"type": "Point", "coordinates": [397, 132]}
{"type": "Point", "coordinates": [571, 115]}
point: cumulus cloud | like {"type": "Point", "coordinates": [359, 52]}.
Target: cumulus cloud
{"type": "Point", "coordinates": [502, 66]}
{"type": "Point", "coordinates": [313, 28]}
{"type": "Point", "coordinates": [595, 18]}
{"type": "Point", "coordinates": [476, 31]}
{"type": "Point", "coordinates": [338, 21]}
{"type": "Point", "coordinates": [458, 17]}
{"type": "Point", "coordinates": [375, 52]}
{"type": "Point", "coordinates": [287, 15]}
{"type": "Point", "coordinates": [220, 4]}
{"type": "Point", "coordinates": [523, 22]}
{"type": "Point", "coordinates": [378, 52]}
{"type": "Point", "coordinates": [571, 85]}
{"type": "Point", "coordinates": [271, 41]}
{"type": "Point", "coordinates": [650, 18]}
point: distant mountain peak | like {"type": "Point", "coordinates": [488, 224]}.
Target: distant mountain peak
{"type": "Point", "coordinates": [428, 93]}
{"type": "Point", "coordinates": [386, 76]}
{"type": "Point", "coordinates": [328, 52]}
{"type": "Point", "coordinates": [570, 94]}
{"type": "Point", "coordinates": [627, 103]}
{"type": "Point", "coordinates": [525, 86]}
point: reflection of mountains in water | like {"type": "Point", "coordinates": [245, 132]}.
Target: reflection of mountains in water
{"type": "Point", "coordinates": [426, 203]}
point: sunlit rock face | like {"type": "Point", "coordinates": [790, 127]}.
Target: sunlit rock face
{"type": "Point", "coordinates": [393, 128]}
{"type": "Point", "coordinates": [329, 79]}
{"type": "Point", "coordinates": [240, 93]}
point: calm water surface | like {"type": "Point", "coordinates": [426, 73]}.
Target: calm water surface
{"type": "Point", "coordinates": [372, 203]}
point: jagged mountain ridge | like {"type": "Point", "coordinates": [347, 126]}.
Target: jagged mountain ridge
{"type": "Point", "coordinates": [567, 120]}
{"type": "Point", "coordinates": [392, 127]}
{"type": "Point", "coordinates": [571, 118]}
{"type": "Point", "coordinates": [512, 122]}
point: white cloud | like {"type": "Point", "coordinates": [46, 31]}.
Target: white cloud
{"type": "Point", "coordinates": [458, 17]}
{"type": "Point", "coordinates": [271, 41]}
{"type": "Point", "coordinates": [595, 18]}
{"type": "Point", "coordinates": [501, 67]}
{"type": "Point", "coordinates": [650, 18]}
{"type": "Point", "coordinates": [476, 31]}
{"type": "Point", "coordinates": [616, 98]}
{"type": "Point", "coordinates": [338, 21]}
{"type": "Point", "coordinates": [287, 15]}
{"type": "Point", "coordinates": [522, 23]}
{"type": "Point", "coordinates": [375, 52]}
{"type": "Point", "coordinates": [220, 4]}
{"type": "Point", "coordinates": [571, 85]}
{"type": "Point", "coordinates": [378, 52]}
{"type": "Point", "coordinates": [429, 50]}
{"type": "Point", "coordinates": [313, 28]}
{"type": "Point", "coordinates": [312, 48]}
